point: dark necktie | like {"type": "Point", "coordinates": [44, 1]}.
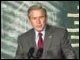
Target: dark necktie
{"type": "Point", "coordinates": [40, 41]}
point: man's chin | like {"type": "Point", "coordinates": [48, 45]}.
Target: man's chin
{"type": "Point", "coordinates": [39, 30]}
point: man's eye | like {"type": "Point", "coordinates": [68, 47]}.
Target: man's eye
{"type": "Point", "coordinates": [33, 18]}
{"type": "Point", "coordinates": [42, 17]}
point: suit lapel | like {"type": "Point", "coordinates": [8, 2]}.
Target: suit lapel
{"type": "Point", "coordinates": [48, 37]}
{"type": "Point", "coordinates": [32, 39]}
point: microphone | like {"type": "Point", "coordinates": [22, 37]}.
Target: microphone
{"type": "Point", "coordinates": [39, 53]}
{"type": "Point", "coordinates": [30, 53]}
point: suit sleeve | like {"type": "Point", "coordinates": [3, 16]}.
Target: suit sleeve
{"type": "Point", "coordinates": [19, 52]}
{"type": "Point", "coordinates": [66, 47]}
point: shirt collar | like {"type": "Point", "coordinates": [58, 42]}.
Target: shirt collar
{"type": "Point", "coordinates": [43, 33]}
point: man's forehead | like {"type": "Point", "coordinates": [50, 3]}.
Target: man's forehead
{"type": "Point", "coordinates": [36, 13]}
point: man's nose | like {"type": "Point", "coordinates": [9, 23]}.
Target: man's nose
{"type": "Point", "coordinates": [38, 21]}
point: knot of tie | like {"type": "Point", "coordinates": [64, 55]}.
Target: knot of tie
{"type": "Point", "coordinates": [40, 34]}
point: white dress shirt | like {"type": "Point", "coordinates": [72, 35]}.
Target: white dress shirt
{"type": "Point", "coordinates": [37, 36]}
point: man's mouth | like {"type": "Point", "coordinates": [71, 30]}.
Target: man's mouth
{"type": "Point", "coordinates": [39, 26]}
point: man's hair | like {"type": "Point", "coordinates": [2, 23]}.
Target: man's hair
{"type": "Point", "coordinates": [37, 7]}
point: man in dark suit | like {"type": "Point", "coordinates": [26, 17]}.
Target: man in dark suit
{"type": "Point", "coordinates": [53, 40]}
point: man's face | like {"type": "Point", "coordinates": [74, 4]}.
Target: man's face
{"type": "Point", "coordinates": [37, 19]}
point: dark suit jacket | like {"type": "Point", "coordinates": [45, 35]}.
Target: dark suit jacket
{"type": "Point", "coordinates": [56, 44]}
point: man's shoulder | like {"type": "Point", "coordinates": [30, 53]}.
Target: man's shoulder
{"type": "Point", "coordinates": [27, 33]}
{"type": "Point", "coordinates": [59, 28]}
{"type": "Point", "coordinates": [58, 31]}
{"type": "Point", "coordinates": [56, 28]}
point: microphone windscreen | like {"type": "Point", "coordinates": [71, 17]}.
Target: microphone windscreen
{"type": "Point", "coordinates": [30, 53]}
{"type": "Point", "coordinates": [39, 52]}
